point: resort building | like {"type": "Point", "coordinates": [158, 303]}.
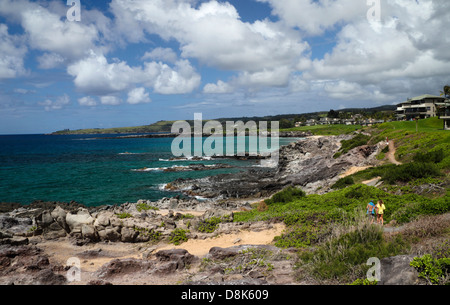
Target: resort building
{"type": "Point", "coordinates": [444, 113]}
{"type": "Point", "coordinates": [420, 107]}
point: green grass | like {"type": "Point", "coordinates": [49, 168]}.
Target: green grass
{"type": "Point", "coordinates": [347, 145]}
{"type": "Point", "coordinates": [327, 130]}
{"type": "Point", "coordinates": [408, 142]}
{"type": "Point", "coordinates": [312, 212]}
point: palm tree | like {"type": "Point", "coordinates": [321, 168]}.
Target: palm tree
{"type": "Point", "coordinates": [446, 92]}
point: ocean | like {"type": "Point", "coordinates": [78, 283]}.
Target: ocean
{"type": "Point", "coordinates": [92, 170]}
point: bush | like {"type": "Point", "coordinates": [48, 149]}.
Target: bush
{"type": "Point", "coordinates": [287, 195]}
{"type": "Point", "coordinates": [343, 183]}
{"type": "Point", "coordinates": [435, 271]}
{"type": "Point", "coordinates": [435, 156]}
{"type": "Point", "coordinates": [344, 258]}
{"type": "Point", "coordinates": [209, 225]}
{"type": "Point", "coordinates": [124, 215]}
{"type": "Point", "coordinates": [347, 145]}
{"type": "Point", "coordinates": [178, 236]}
{"type": "Point", "coordinates": [145, 207]}
{"type": "Point", "coordinates": [410, 171]}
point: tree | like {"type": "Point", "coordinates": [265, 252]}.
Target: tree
{"type": "Point", "coordinates": [446, 92]}
{"type": "Point", "coordinates": [333, 114]}
{"type": "Point", "coordinates": [285, 123]}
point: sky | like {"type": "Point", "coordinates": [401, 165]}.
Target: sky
{"type": "Point", "coordinates": [98, 64]}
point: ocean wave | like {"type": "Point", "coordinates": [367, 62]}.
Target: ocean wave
{"type": "Point", "coordinates": [190, 158]}
{"type": "Point", "coordinates": [128, 153]}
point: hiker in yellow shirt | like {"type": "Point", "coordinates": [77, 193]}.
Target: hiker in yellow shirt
{"type": "Point", "coordinates": [380, 207]}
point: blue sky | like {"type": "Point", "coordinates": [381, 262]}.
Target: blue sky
{"type": "Point", "coordinates": [129, 63]}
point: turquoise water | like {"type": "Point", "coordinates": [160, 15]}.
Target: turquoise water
{"type": "Point", "coordinates": [93, 171]}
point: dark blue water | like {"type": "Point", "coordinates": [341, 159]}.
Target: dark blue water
{"type": "Point", "coordinates": [92, 171]}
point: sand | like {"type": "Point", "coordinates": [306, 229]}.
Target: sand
{"type": "Point", "coordinates": [201, 247]}
{"type": "Point", "coordinates": [60, 251]}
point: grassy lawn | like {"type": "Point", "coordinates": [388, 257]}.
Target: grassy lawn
{"type": "Point", "coordinates": [327, 130]}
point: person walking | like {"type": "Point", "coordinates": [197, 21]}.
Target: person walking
{"type": "Point", "coordinates": [380, 207]}
{"type": "Point", "coordinates": [371, 211]}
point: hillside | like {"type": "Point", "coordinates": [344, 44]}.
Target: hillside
{"type": "Point", "coordinates": [332, 230]}
{"type": "Point", "coordinates": [165, 126]}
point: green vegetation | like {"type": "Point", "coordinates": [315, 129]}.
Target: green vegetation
{"type": "Point", "coordinates": [124, 215]}
{"type": "Point", "coordinates": [343, 183]}
{"type": "Point", "coordinates": [286, 195]}
{"type": "Point", "coordinates": [209, 225]}
{"type": "Point", "coordinates": [332, 229]}
{"type": "Point", "coordinates": [434, 270]}
{"type": "Point", "coordinates": [347, 145]}
{"type": "Point", "coordinates": [326, 130]}
{"type": "Point", "coordinates": [344, 257]}
{"type": "Point", "coordinates": [161, 126]}
{"type": "Point", "coordinates": [154, 235]}
{"type": "Point", "coordinates": [145, 207]}
{"type": "Point", "coordinates": [178, 236]}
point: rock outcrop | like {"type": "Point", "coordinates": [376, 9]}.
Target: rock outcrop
{"type": "Point", "coordinates": [308, 163]}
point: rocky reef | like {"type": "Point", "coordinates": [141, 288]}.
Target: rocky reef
{"type": "Point", "coordinates": [307, 163]}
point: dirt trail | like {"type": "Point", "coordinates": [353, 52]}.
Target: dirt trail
{"type": "Point", "coordinates": [201, 247]}
{"type": "Point", "coordinates": [391, 153]}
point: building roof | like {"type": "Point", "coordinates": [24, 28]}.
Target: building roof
{"type": "Point", "coordinates": [422, 97]}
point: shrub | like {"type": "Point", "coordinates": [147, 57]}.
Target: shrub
{"type": "Point", "coordinates": [124, 215]}
{"type": "Point", "coordinates": [209, 225]}
{"type": "Point", "coordinates": [347, 145]}
{"type": "Point", "coordinates": [145, 207]}
{"type": "Point", "coordinates": [287, 195]}
{"type": "Point", "coordinates": [178, 236]}
{"type": "Point", "coordinates": [154, 235]}
{"type": "Point", "coordinates": [435, 156]}
{"type": "Point", "coordinates": [435, 271]}
{"type": "Point", "coordinates": [364, 282]}
{"type": "Point", "coordinates": [343, 183]}
{"type": "Point", "coordinates": [344, 257]}
{"type": "Point", "coordinates": [410, 171]}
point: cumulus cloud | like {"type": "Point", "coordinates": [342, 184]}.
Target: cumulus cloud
{"type": "Point", "coordinates": [95, 75]}
{"type": "Point", "coordinates": [220, 87]}
{"type": "Point", "coordinates": [315, 17]}
{"type": "Point", "coordinates": [163, 54]}
{"type": "Point", "coordinates": [87, 101]}
{"type": "Point", "coordinates": [214, 34]}
{"type": "Point", "coordinates": [57, 104]}
{"type": "Point", "coordinates": [400, 55]}
{"type": "Point", "coordinates": [138, 96]}
{"type": "Point", "coordinates": [12, 52]}
{"type": "Point", "coordinates": [110, 100]}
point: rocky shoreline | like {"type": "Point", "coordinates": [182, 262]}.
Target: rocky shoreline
{"type": "Point", "coordinates": [32, 238]}
{"type": "Point", "coordinates": [307, 163]}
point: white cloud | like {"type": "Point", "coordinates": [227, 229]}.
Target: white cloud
{"type": "Point", "coordinates": [47, 32]}
{"type": "Point", "coordinates": [87, 101]}
{"type": "Point", "coordinates": [12, 53]}
{"type": "Point", "coordinates": [163, 54]}
{"type": "Point", "coordinates": [57, 104]}
{"type": "Point", "coordinates": [214, 34]}
{"type": "Point", "coordinates": [94, 75]}
{"type": "Point", "coordinates": [110, 100]}
{"type": "Point", "coordinates": [220, 87]}
{"type": "Point", "coordinates": [315, 17]}
{"type": "Point", "coordinates": [50, 60]}
{"type": "Point", "coordinates": [138, 96]}
{"type": "Point", "coordinates": [181, 79]}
